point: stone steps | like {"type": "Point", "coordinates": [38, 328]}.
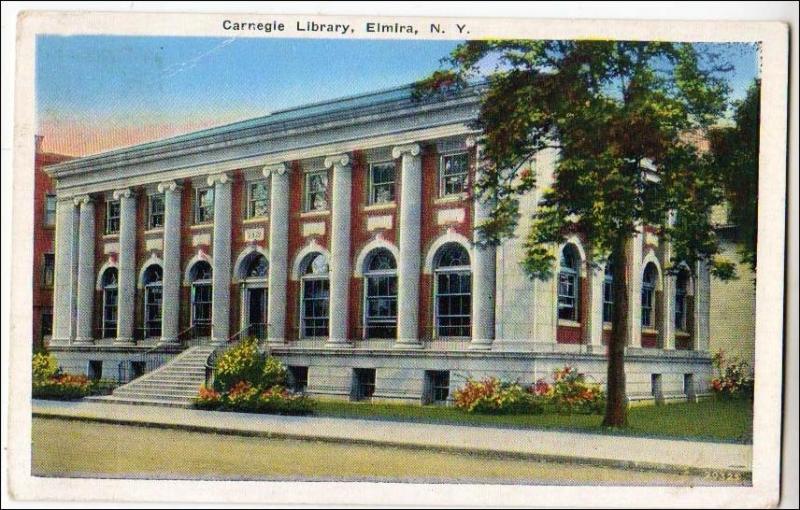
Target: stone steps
{"type": "Point", "coordinates": [175, 383]}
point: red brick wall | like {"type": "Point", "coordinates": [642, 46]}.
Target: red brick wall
{"type": "Point", "coordinates": [187, 250]}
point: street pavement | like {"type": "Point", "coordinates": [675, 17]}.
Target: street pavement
{"type": "Point", "coordinates": [598, 449]}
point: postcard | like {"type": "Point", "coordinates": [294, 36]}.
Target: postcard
{"type": "Point", "coordinates": [288, 259]}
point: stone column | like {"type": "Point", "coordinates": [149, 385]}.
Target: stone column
{"type": "Point", "coordinates": [702, 302]}
{"type": "Point", "coordinates": [127, 265]}
{"type": "Point", "coordinates": [65, 265]}
{"type": "Point", "coordinates": [278, 251]}
{"type": "Point", "coordinates": [339, 310]}
{"type": "Point", "coordinates": [171, 283]}
{"type": "Point", "coordinates": [85, 296]}
{"type": "Point", "coordinates": [483, 271]}
{"type": "Point", "coordinates": [667, 332]}
{"type": "Point", "coordinates": [635, 290]}
{"type": "Point", "coordinates": [408, 267]}
{"type": "Point", "coordinates": [221, 279]}
{"type": "Point", "coordinates": [594, 315]}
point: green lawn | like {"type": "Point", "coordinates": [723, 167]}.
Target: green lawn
{"type": "Point", "coordinates": [729, 421]}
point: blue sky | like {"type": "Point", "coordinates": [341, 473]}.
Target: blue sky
{"type": "Point", "coordinates": [98, 92]}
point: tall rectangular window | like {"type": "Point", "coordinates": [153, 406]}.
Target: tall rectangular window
{"type": "Point", "coordinates": [204, 205]}
{"type": "Point", "coordinates": [453, 172]}
{"type": "Point", "coordinates": [112, 216]}
{"type": "Point", "coordinates": [47, 322]}
{"type": "Point", "coordinates": [316, 191]}
{"type": "Point", "coordinates": [156, 211]}
{"type": "Point", "coordinates": [258, 199]}
{"type": "Point", "coordinates": [48, 270]}
{"type": "Point", "coordinates": [381, 183]}
{"type": "Point", "coordinates": [49, 210]}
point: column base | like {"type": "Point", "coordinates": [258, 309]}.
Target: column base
{"type": "Point", "coordinates": [338, 343]}
{"type": "Point", "coordinates": [83, 341]}
{"type": "Point", "coordinates": [124, 341]}
{"type": "Point", "coordinates": [479, 346]}
{"type": "Point", "coordinates": [168, 340]}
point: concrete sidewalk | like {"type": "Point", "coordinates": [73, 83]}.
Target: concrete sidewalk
{"type": "Point", "coordinates": [618, 451]}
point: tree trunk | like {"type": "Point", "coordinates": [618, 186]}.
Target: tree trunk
{"type": "Point", "coordinates": [616, 401]}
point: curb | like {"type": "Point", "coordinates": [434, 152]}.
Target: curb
{"type": "Point", "coordinates": [720, 473]}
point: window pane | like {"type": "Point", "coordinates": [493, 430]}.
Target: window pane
{"type": "Point", "coordinates": [50, 210]}
{"type": "Point", "coordinates": [453, 173]}
{"type": "Point", "coordinates": [382, 178]}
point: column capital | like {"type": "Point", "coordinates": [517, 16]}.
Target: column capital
{"type": "Point", "coordinates": [168, 186]}
{"type": "Point", "coordinates": [411, 148]}
{"type": "Point", "coordinates": [277, 169]}
{"type": "Point", "coordinates": [123, 193]}
{"type": "Point", "coordinates": [339, 160]}
{"type": "Point", "coordinates": [471, 141]}
{"type": "Point", "coordinates": [81, 200]}
{"type": "Point", "coordinates": [222, 178]}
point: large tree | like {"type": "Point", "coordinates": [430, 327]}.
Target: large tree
{"type": "Point", "coordinates": [735, 149]}
{"type": "Point", "coordinates": [623, 117]}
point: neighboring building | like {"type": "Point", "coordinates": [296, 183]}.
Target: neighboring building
{"type": "Point", "coordinates": [44, 222]}
{"type": "Point", "coordinates": [341, 235]}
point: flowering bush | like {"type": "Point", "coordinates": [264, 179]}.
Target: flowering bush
{"type": "Point", "coordinates": [242, 395]}
{"type": "Point", "coordinates": [208, 398]}
{"type": "Point", "coordinates": [274, 373]}
{"type": "Point", "coordinates": [735, 379]}
{"type": "Point", "coordinates": [491, 396]}
{"type": "Point", "coordinates": [571, 393]}
{"type": "Point", "coordinates": [63, 387]}
{"type": "Point", "coordinates": [242, 362]}
{"type": "Point", "coordinates": [45, 366]}
{"type": "Point", "coordinates": [280, 401]}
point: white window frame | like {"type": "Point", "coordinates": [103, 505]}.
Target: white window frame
{"type": "Point", "coordinates": [250, 213]}
{"type": "Point", "coordinates": [148, 286]}
{"type": "Point", "coordinates": [608, 294]}
{"type": "Point", "coordinates": [649, 290]}
{"type": "Point", "coordinates": [110, 229]}
{"type": "Point", "coordinates": [372, 198]}
{"type": "Point", "coordinates": [313, 277]}
{"type": "Point", "coordinates": [106, 288]}
{"type": "Point", "coordinates": [572, 273]}
{"type": "Point", "coordinates": [307, 192]}
{"type": "Point", "coordinates": [449, 270]}
{"type": "Point", "coordinates": [198, 207]}
{"type": "Point", "coordinates": [192, 298]}
{"type": "Point", "coordinates": [382, 273]}
{"type": "Point", "coordinates": [151, 215]}
{"type": "Point", "coordinates": [49, 219]}
{"type": "Point", "coordinates": [680, 305]}
{"type": "Point", "coordinates": [442, 185]}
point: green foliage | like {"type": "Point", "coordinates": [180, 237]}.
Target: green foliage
{"type": "Point", "coordinates": [735, 378]}
{"type": "Point", "coordinates": [242, 362]}
{"type": "Point", "coordinates": [45, 366]}
{"type": "Point", "coordinates": [572, 394]}
{"type": "Point", "coordinates": [274, 373]}
{"type": "Point", "coordinates": [491, 396]}
{"type": "Point", "coordinates": [735, 150]}
{"type": "Point", "coordinates": [63, 387]}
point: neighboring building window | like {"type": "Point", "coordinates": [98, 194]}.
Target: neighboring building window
{"type": "Point", "coordinates": [112, 216]}
{"type": "Point", "coordinates": [453, 172]}
{"type": "Point", "coordinates": [568, 284]}
{"type": "Point", "coordinates": [47, 322]}
{"type": "Point", "coordinates": [380, 309]}
{"type": "Point", "coordinates": [204, 205]}
{"type": "Point", "coordinates": [681, 291]}
{"type": "Point", "coordinates": [49, 210]}
{"type": "Point", "coordinates": [48, 270]}
{"type": "Point", "coordinates": [109, 285]}
{"type": "Point", "coordinates": [257, 199]}
{"type": "Point", "coordinates": [156, 207]}
{"type": "Point", "coordinates": [648, 295]}
{"type": "Point", "coordinates": [608, 293]}
{"type": "Point", "coordinates": [201, 298]}
{"type": "Point", "coordinates": [315, 290]}
{"type": "Point", "coordinates": [381, 182]}
{"type": "Point", "coordinates": [316, 191]}
{"type": "Point", "coordinates": [153, 277]}
{"type": "Point", "coordinates": [453, 291]}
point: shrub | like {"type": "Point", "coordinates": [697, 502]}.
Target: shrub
{"type": "Point", "coordinates": [279, 401]}
{"type": "Point", "coordinates": [491, 396]}
{"type": "Point", "coordinates": [571, 393]}
{"type": "Point", "coordinates": [241, 362]}
{"type": "Point", "coordinates": [735, 378]}
{"type": "Point", "coordinates": [63, 387]}
{"type": "Point", "coordinates": [208, 398]}
{"type": "Point", "coordinates": [242, 396]}
{"type": "Point", "coordinates": [274, 373]}
{"type": "Point", "coordinates": [45, 366]}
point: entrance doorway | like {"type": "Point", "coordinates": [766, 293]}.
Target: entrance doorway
{"type": "Point", "coordinates": [257, 312]}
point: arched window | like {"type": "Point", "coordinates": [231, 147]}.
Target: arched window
{"type": "Point", "coordinates": [201, 298]}
{"type": "Point", "coordinates": [568, 284]}
{"type": "Point", "coordinates": [153, 277]}
{"type": "Point", "coordinates": [380, 307]}
{"type": "Point", "coordinates": [648, 295]}
{"type": "Point", "coordinates": [681, 291]}
{"type": "Point", "coordinates": [608, 292]}
{"type": "Point", "coordinates": [315, 293]}
{"type": "Point", "coordinates": [453, 291]}
{"type": "Point", "coordinates": [109, 285]}
{"type": "Point", "coordinates": [256, 266]}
